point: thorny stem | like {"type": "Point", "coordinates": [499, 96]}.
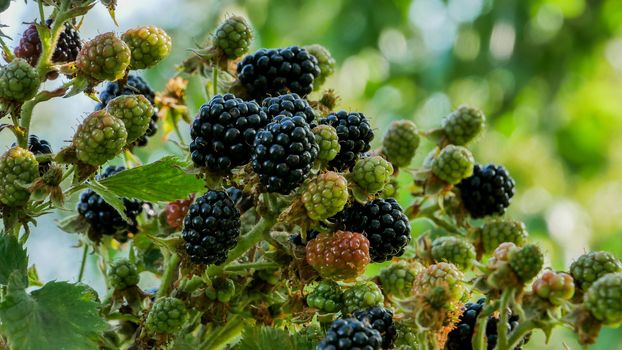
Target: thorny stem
{"type": "Point", "coordinates": [502, 331]}
{"type": "Point", "coordinates": [215, 79]}
{"type": "Point", "coordinates": [28, 107]}
{"type": "Point", "coordinates": [254, 265]}
{"type": "Point", "coordinates": [169, 275]}
{"type": "Point", "coordinates": [85, 253]}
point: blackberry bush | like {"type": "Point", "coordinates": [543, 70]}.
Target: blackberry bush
{"type": "Point", "coordinates": [299, 239]}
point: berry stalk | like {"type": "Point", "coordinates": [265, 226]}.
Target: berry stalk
{"type": "Point", "coordinates": [169, 275]}
{"type": "Point", "coordinates": [502, 332]}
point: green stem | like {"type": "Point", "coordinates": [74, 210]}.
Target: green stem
{"type": "Point", "coordinates": [253, 265]}
{"type": "Point", "coordinates": [479, 334]}
{"type": "Point", "coordinates": [230, 330]}
{"type": "Point", "coordinates": [41, 13]}
{"type": "Point", "coordinates": [519, 332]}
{"type": "Point", "coordinates": [83, 262]}
{"type": "Point", "coordinates": [28, 107]}
{"type": "Point", "coordinates": [502, 326]}
{"type": "Point", "coordinates": [169, 275]}
{"type": "Point", "coordinates": [68, 172]}
{"type": "Point", "coordinates": [215, 79]}
{"type": "Point", "coordinates": [254, 236]}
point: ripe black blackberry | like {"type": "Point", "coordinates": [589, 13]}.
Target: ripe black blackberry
{"type": "Point", "coordinates": [350, 333]}
{"type": "Point", "coordinates": [380, 319]}
{"type": "Point", "coordinates": [103, 218]}
{"type": "Point", "coordinates": [354, 134]}
{"type": "Point", "coordinates": [283, 154]}
{"type": "Point", "coordinates": [289, 105]}
{"type": "Point", "coordinates": [488, 191]}
{"type": "Point", "coordinates": [384, 224]}
{"type": "Point", "coordinates": [224, 131]}
{"type": "Point", "coordinates": [135, 85]}
{"type": "Point", "coordinates": [460, 338]}
{"type": "Point", "coordinates": [211, 228]}
{"type": "Point", "coordinates": [67, 48]}
{"type": "Point", "coordinates": [271, 72]}
{"type": "Point", "coordinates": [39, 146]}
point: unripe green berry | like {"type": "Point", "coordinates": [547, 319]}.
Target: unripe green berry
{"type": "Point", "coordinates": [463, 125]}
{"type": "Point", "coordinates": [233, 37]}
{"type": "Point", "coordinates": [99, 138]}
{"type": "Point", "coordinates": [371, 173]}
{"type": "Point", "coordinates": [397, 279]}
{"type": "Point", "coordinates": [556, 287]}
{"type": "Point", "coordinates": [326, 137]}
{"type": "Point", "coordinates": [361, 296]}
{"type": "Point", "coordinates": [18, 81]}
{"type": "Point", "coordinates": [497, 231]}
{"type": "Point", "coordinates": [453, 164]}
{"type": "Point", "coordinates": [135, 111]}
{"type": "Point", "coordinates": [104, 57]}
{"type": "Point", "coordinates": [455, 250]}
{"type": "Point", "coordinates": [325, 195]}
{"type": "Point", "coordinates": [526, 261]}
{"type": "Point", "coordinates": [327, 296]}
{"type": "Point", "coordinates": [325, 60]}
{"type": "Point", "coordinates": [592, 266]}
{"type": "Point", "coordinates": [440, 275]}
{"type": "Point", "coordinates": [390, 188]}
{"type": "Point", "coordinates": [400, 143]}
{"type": "Point", "coordinates": [222, 289]}
{"type": "Point", "coordinates": [604, 299]}
{"type": "Point", "coordinates": [149, 46]}
{"type": "Point", "coordinates": [167, 315]}
{"type": "Point", "coordinates": [123, 274]}
{"type": "Point", "coordinates": [18, 168]}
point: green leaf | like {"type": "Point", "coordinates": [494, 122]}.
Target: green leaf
{"type": "Point", "coordinates": [58, 316]}
{"type": "Point", "coordinates": [256, 338]}
{"type": "Point", "coordinates": [13, 260]}
{"type": "Point", "coordinates": [109, 197]}
{"type": "Point", "coordinates": [161, 181]}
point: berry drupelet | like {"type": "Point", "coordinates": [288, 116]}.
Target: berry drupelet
{"type": "Point", "coordinates": [288, 105]}
{"type": "Point", "coordinates": [380, 319]}
{"type": "Point", "coordinates": [349, 334]}
{"type": "Point", "coordinates": [354, 134]}
{"type": "Point", "coordinates": [211, 228]}
{"type": "Point", "coordinates": [488, 191]}
{"type": "Point", "coordinates": [283, 153]}
{"type": "Point", "coordinates": [224, 131]}
{"type": "Point", "coordinates": [135, 85]}
{"type": "Point", "coordinates": [271, 72]}
{"type": "Point", "coordinates": [102, 217]}
{"type": "Point", "coordinates": [384, 223]}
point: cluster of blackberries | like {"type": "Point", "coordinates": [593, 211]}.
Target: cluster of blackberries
{"type": "Point", "coordinates": [460, 338]}
{"type": "Point", "coordinates": [211, 228]}
{"type": "Point", "coordinates": [288, 105]}
{"type": "Point", "coordinates": [135, 85]}
{"type": "Point", "coordinates": [103, 219]}
{"type": "Point", "coordinates": [271, 72]}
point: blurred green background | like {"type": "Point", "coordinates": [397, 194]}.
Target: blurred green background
{"type": "Point", "coordinates": [547, 73]}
